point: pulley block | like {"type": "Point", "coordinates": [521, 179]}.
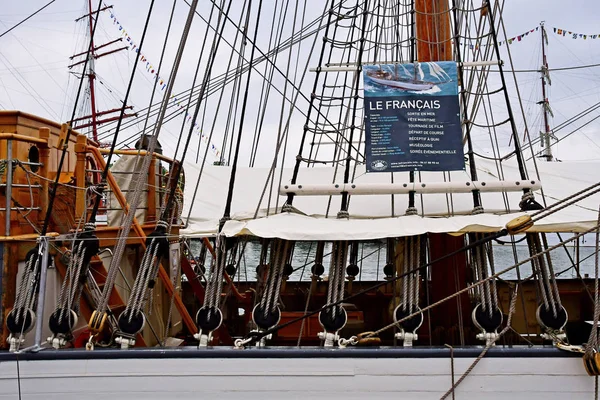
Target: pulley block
{"type": "Point", "coordinates": [97, 321]}
{"type": "Point", "coordinates": [62, 325]}
{"type": "Point", "coordinates": [209, 318]}
{"type": "Point", "coordinates": [591, 362]}
{"type": "Point", "coordinates": [547, 319]}
{"type": "Point", "coordinates": [331, 321]}
{"type": "Point", "coordinates": [132, 322]}
{"type": "Point", "coordinates": [20, 320]}
{"type": "Point", "coordinates": [411, 324]}
{"type": "Point", "coordinates": [267, 321]}
{"type": "Point", "coordinates": [486, 322]}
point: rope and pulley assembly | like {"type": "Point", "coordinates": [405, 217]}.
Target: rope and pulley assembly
{"type": "Point", "coordinates": [65, 316]}
{"type": "Point", "coordinates": [21, 319]}
{"type": "Point", "coordinates": [267, 312]}
{"type": "Point", "coordinates": [411, 281]}
{"type": "Point", "coordinates": [550, 314]}
{"type": "Point", "coordinates": [209, 317]}
{"type": "Point", "coordinates": [486, 315]}
{"type": "Point", "coordinates": [132, 320]}
{"type": "Point", "coordinates": [334, 317]}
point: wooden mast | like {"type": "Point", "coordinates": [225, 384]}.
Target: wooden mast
{"type": "Point", "coordinates": [433, 39]}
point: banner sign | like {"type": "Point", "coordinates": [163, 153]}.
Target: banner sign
{"type": "Point", "coordinates": [412, 117]}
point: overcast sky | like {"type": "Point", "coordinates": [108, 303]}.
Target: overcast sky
{"type": "Point", "coordinates": [34, 57]}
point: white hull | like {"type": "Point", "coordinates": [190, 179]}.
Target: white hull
{"type": "Point", "coordinates": [255, 377]}
{"type": "Point", "coordinates": [403, 85]}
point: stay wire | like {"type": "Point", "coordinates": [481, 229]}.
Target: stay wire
{"type": "Point", "coordinates": [92, 218]}
{"type": "Point", "coordinates": [69, 131]}
{"type": "Point", "coordinates": [167, 204]}
{"type": "Point", "coordinates": [26, 19]}
{"type": "Point", "coordinates": [242, 114]}
{"type": "Point", "coordinates": [212, 58]}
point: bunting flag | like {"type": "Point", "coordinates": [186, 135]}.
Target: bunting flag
{"type": "Point", "coordinates": [558, 31]}
{"type": "Point", "coordinates": [162, 83]}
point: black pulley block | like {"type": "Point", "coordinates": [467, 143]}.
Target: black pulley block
{"type": "Point", "coordinates": [352, 270]}
{"type": "Point", "coordinates": [547, 319]}
{"type": "Point", "coordinates": [209, 318]}
{"type": "Point", "coordinates": [231, 269]}
{"type": "Point", "coordinates": [389, 269]}
{"type": "Point", "coordinates": [24, 323]}
{"type": "Point", "coordinates": [265, 322]}
{"type": "Point", "coordinates": [411, 324]}
{"type": "Point", "coordinates": [134, 325]}
{"type": "Point", "coordinates": [159, 237]}
{"type": "Point", "coordinates": [288, 269]}
{"type": "Point", "coordinates": [333, 322]}
{"type": "Point", "coordinates": [62, 325]}
{"type": "Point", "coordinates": [318, 269]}
{"type": "Point", "coordinates": [486, 322]}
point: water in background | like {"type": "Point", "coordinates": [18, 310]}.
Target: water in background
{"type": "Point", "coordinates": [372, 256]}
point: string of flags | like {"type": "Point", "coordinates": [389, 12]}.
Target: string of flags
{"type": "Point", "coordinates": [558, 31]}
{"type": "Point", "coordinates": [162, 83]}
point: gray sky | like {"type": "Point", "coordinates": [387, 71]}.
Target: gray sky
{"type": "Point", "coordinates": [34, 57]}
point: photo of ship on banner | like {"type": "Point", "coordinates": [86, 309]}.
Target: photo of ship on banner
{"type": "Point", "coordinates": [412, 117]}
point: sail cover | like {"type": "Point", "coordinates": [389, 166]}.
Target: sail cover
{"type": "Point", "coordinates": [256, 204]}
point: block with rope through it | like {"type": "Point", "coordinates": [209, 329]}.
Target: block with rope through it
{"type": "Point", "coordinates": [519, 224]}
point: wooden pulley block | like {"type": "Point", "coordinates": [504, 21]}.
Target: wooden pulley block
{"type": "Point", "coordinates": [591, 362]}
{"type": "Point", "coordinates": [519, 224]}
{"type": "Point", "coordinates": [364, 339]}
{"type": "Point", "coordinates": [97, 321]}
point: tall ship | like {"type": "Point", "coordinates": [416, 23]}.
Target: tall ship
{"type": "Point", "coordinates": [349, 241]}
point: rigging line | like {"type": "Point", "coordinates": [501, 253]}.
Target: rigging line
{"type": "Point", "coordinates": [550, 69]}
{"type": "Point", "coordinates": [192, 123]}
{"type": "Point", "coordinates": [37, 62]}
{"type": "Point", "coordinates": [517, 145]}
{"type": "Point", "coordinates": [287, 126]}
{"type": "Point", "coordinates": [287, 79]}
{"type": "Point", "coordinates": [162, 54]}
{"type": "Point", "coordinates": [92, 218]}
{"type": "Point", "coordinates": [503, 232]}
{"type": "Point", "coordinates": [69, 131]}
{"type": "Point", "coordinates": [263, 105]}
{"type": "Point", "coordinates": [285, 134]}
{"type": "Point", "coordinates": [289, 42]}
{"type": "Point", "coordinates": [212, 130]}
{"type": "Point", "coordinates": [242, 114]}
{"type": "Point", "coordinates": [338, 76]}
{"type": "Point", "coordinates": [235, 100]}
{"type": "Point", "coordinates": [568, 134]}
{"type": "Point", "coordinates": [260, 59]}
{"type": "Point", "coordinates": [356, 83]}
{"type": "Point", "coordinates": [27, 86]}
{"type": "Point", "coordinates": [211, 57]}
{"type": "Point", "coordinates": [30, 16]}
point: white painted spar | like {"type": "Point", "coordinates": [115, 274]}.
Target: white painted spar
{"type": "Point", "coordinates": [304, 378]}
{"type": "Point", "coordinates": [407, 187]}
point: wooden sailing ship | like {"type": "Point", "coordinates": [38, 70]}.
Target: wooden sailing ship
{"type": "Point", "coordinates": [95, 260]}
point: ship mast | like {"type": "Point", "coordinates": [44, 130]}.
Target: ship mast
{"type": "Point", "coordinates": [546, 134]}
{"type": "Point", "coordinates": [92, 75]}
{"type": "Point", "coordinates": [94, 122]}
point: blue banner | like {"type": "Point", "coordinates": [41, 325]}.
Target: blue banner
{"type": "Point", "coordinates": [412, 117]}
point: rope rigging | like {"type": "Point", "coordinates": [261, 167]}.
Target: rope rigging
{"type": "Point", "coordinates": [22, 317]}
{"type": "Point", "coordinates": [518, 225]}
{"type": "Point", "coordinates": [131, 320]}
{"type": "Point", "coordinates": [157, 240]}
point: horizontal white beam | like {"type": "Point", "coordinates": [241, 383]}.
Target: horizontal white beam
{"type": "Point", "coordinates": [331, 189]}
{"type": "Point", "coordinates": [342, 67]}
